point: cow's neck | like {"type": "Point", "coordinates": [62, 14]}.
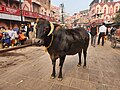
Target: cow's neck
{"type": "Point", "coordinates": [48, 41]}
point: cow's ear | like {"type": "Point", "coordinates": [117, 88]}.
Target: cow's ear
{"type": "Point", "coordinates": [57, 28]}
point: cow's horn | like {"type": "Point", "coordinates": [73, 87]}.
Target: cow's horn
{"type": "Point", "coordinates": [52, 28]}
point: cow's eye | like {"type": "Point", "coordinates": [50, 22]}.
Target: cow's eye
{"type": "Point", "coordinates": [46, 28]}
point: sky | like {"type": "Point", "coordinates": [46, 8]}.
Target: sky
{"type": "Point", "coordinates": [73, 6]}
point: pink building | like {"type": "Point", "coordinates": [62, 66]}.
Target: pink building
{"type": "Point", "coordinates": [100, 12]}
{"type": "Point", "coordinates": [10, 11]}
{"type": "Point", "coordinates": [83, 17]}
{"type": "Point", "coordinates": [56, 14]}
{"type": "Point", "coordinates": [80, 18]}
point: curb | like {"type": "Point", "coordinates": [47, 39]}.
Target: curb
{"type": "Point", "coordinates": [26, 44]}
{"type": "Point", "coordinates": [14, 48]}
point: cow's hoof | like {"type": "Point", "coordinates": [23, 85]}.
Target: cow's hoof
{"type": "Point", "coordinates": [84, 66]}
{"type": "Point", "coordinates": [52, 77]}
{"type": "Point", "coordinates": [60, 79]}
{"type": "Point", "coordinates": [79, 65]}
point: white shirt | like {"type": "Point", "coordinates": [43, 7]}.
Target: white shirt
{"type": "Point", "coordinates": [102, 29]}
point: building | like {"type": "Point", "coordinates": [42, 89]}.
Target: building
{"type": "Point", "coordinates": [104, 1]}
{"type": "Point", "coordinates": [13, 11]}
{"type": "Point", "coordinates": [83, 17]}
{"type": "Point", "coordinates": [103, 12]}
{"type": "Point", "coordinates": [56, 15]}
{"type": "Point", "coordinates": [100, 1]}
{"type": "Point", "coordinates": [80, 19]}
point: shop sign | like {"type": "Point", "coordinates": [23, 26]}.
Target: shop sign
{"type": "Point", "coordinates": [16, 12]}
{"type": "Point", "coordinates": [10, 17]}
{"type": "Point", "coordinates": [1, 9]}
{"type": "Point", "coordinates": [8, 10]}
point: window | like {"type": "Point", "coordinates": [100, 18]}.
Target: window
{"type": "Point", "coordinates": [111, 10]}
{"type": "Point", "coordinates": [15, 7]}
{"type": "Point", "coordinates": [93, 11]}
{"type": "Point", "coordinates": [105, 10]}
{"type": "Point", "coordinates": [98, 10]}
{"type": "Point", "coordinates": [41, 11]}
{"type": "Point", "coordinates": [45, 13]}
{"type": "Point", "coordinates": [116, 8]}
{"type": "Point", "coordinates": [106, 18]}
{"type": "Point", "coordinates": [36, 8]}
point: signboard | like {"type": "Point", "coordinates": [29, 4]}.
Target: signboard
{"type": "Point", "coordinates": [12, 11]}
{"type": "Point", "coordinates": [8, 10]}
{"type": "Point", "coordinates": [10, 17]}
{"type": "Point", "coordinates": [16, 12]}
{"type": "Point", "coordinates": [2, 9]}
{"type": "Point", "coordinates": [30, 14]}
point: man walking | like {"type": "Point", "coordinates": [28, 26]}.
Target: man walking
{"type": "Point", "coordinates": [102, 33]}
{"type": "Point", "coordinates": [93, 33]}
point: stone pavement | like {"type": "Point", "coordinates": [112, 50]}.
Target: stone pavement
{"type": "Point", "coordinates": [32, 68]}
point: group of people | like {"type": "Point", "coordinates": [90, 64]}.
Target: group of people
{"type": "Point", "coordinates": [10, 38]}
{"type": "Point", "coordinates": [17, 36]}
{"type": "Point", "coordinates": [101, 32]}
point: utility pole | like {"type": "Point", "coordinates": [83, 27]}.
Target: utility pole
{"type": "Point", "coordinates": [21, 11]}
{"type": "Point", "coordinates": [62, 12]}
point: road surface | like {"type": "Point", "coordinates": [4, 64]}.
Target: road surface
{"type": "Point", "coordinates": [30, 69]}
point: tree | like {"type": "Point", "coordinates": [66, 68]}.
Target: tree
{"type": "Point", "coordinates": [117, 17]}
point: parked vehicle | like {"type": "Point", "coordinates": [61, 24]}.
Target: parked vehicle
{"type": "Point", "coordinates": [115, 37]}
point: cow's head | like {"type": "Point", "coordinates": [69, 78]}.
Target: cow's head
{"type": "Point", "coordinates": [44, 29]}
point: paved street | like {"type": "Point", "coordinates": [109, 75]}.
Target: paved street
{"type": "Point", "coordinates": [30, 69]}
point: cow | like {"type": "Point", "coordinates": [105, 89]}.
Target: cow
{"type": "Point", "coordinates": [60, 42]}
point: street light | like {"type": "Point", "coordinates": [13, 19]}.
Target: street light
{"type": "Point", "coordinates": [62, 12]}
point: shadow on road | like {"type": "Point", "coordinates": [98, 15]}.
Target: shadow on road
{"type": "Point", "coordinates": [11, 54]}
{"type": "Point", "coordinates": [117, 47]}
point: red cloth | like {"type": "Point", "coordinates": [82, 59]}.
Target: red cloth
{"type": "Point", "coordinates": [1, 35]}
{"type": "Point", "coordinates": [22, 37]}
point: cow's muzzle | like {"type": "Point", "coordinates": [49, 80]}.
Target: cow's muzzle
{"type": "Point", "coordinates": [37, 42]}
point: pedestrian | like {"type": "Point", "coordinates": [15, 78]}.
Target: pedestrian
{"type": "Point", "coordinates": [28, 30]}
{"type": "Point", "coordinates": [34, 28]}
{"type": "Point", "coordinates": [6, 40]}
{"type": "Point", "coordinates": [93, 32]}
{"type": "Point", "coordinates": [31, 32]}
{"type": "Point", "coordinates": [112, 31]}
{"type": "Point", "coordinates": [22, 38]}
{"type": "Point", "coordinates": [13, 36]}
{"type": "Point", "coordinates": [88, 29]}
{"type": "Point", "coordinates": [102, 33]}
{"type": "Point", "coordinates": [108, 35]}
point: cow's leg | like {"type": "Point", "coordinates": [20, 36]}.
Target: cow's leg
{"type": "Point", "coordinates": [53, 72]}
{"type": "Point", "coordinates": [85, 54]}
{"type": "Point", "coordinates": [62, 58]}
{"type": "Point", "coordinates": [79, 54]}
